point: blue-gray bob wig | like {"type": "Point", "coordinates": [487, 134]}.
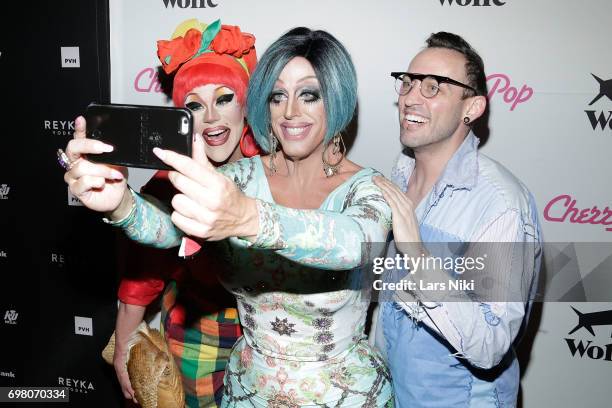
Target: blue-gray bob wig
{"type": "Point", "coordinates": [334, 69]}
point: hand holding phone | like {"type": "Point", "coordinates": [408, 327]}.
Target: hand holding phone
{"type": "Point", "coordinates": [134, 130]}
{"type": "Point", "coordinates": [99, 187]}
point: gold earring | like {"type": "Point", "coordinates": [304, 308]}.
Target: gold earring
{"type": "Point", "coordinates": [273, 145]}
{"type": "Point", "coordinates": [338, 147]}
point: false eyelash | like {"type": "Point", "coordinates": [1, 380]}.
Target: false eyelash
{"type": "Point", "coordinates": [275, 94]}
{"type": "Point", "coordinates": [193, 106]}
{"type": "Point", "coordinates": [226, 98]}
{"type": "Point", "coordinates": [315, 95]}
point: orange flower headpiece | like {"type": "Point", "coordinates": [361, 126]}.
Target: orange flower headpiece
{"type": "Point", "coordinates": [221, 53]}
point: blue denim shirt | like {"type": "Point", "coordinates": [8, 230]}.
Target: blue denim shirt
{"type": "Point", "coordinates": [460, 354]}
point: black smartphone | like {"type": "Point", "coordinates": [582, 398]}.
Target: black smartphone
{"type": "Point", "coordinates": [134, 130]}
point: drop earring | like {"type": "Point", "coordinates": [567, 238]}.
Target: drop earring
{"type": "Point", "coordinates": [338, 147]}
{"type": "Point", "coordinates": [273, 144]}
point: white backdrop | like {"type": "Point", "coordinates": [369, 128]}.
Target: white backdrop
{"type": "Point", "coordinates": [540, 56]}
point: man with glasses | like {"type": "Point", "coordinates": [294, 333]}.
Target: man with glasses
{"type": "Point", "coordinates": [454, 348]}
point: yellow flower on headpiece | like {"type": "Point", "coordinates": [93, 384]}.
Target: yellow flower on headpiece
{"type": "Point", "coordinates": [182, 28]}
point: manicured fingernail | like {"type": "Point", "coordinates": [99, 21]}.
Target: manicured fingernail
{"type": "Point", "coordinates": [159, 153]}
{"type": "Point", "coordinates": [79, 120]}
{"type": "Point", "coordinates": [107, 148]}
{"type": "Point", "coordinates": [117, 175]}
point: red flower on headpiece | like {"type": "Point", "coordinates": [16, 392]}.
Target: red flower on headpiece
{"type": "Point", "coordinates": [230, 40]}
{"type": "Point", "coordinates": [175, 52]}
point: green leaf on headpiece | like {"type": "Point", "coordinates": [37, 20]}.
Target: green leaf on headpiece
{"type": "Point", "coordinates": [208, 35]}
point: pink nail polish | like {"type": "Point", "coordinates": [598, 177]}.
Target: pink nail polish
{"type": "Point", "coordinates": [159, 153]}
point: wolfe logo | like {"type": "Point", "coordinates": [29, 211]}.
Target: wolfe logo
{"type": "Point", "coordinates": [511, 95]}
{"type": "Point", "coordinates": [73, 201]}
{"type": "Point", "coordinates": [4, 190]}
{"type": "Point", "coordinates": [588, 320]}
{"type": "Point", "coordinates": [147, 81]}
{"type": "Point", "coordinates": [59, 127]}
{"type": "Point", "coordinates": [10, 317]}
{"type": "Point", "coordinates": [190, 3]}
{"type": "Point", "coordinates": [70, 57]}
{"type": "Point", "coordinates": [83, 326]}
{"type": "Point", "coordinates": [76, 384]}
{"type": "Point", "coordinates": [601, 119]}
{"type": "Point", "coordinates": [477, 3]}
{"type": "Point", "coordinates": [563, 208]}
{"type": "Point", "coordinates": [588, 349]}
{"type": "Point", "coordinates": [8, 374]}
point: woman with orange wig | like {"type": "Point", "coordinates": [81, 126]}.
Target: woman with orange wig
{"type": "Point", "coordinates": [211, 66]}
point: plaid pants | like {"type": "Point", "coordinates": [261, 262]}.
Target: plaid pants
{"type": "Point", "coordinates": [200, 346]}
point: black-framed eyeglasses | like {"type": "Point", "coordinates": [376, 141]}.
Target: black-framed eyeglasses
{"type": "Point", "coordinates": [429, 83]}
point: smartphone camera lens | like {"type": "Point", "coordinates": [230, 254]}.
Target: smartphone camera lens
{"type": "Point", "coordinates": [184, 126]}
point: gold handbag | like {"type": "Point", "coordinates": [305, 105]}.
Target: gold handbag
{"type": "Point", "coordinates": [154, 375]}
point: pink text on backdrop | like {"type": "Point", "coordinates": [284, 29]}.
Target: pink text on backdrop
{"type": "Point", "coordinates": [563, 208]}
{"type": "Point", "coordinates": [500, 83]}
{"type": "Point", "coordinates": [146, 81]}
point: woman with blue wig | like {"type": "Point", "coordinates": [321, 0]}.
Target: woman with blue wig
{"type": "Point", "coordinates": [292, 224]}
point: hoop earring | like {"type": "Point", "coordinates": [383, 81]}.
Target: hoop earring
{"type": "Point", "coordinates": [273, 144]}
{"type": "Point", "coordinates": [338, 147]}
{"type": "Point", "coordinates": [466, 120]}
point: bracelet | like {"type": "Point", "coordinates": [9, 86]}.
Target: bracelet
{"type": "Point", "coordinates": [124, 220]}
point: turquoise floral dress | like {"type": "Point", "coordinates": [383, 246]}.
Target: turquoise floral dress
{"type": "Point", "coordinates": [301, 301]}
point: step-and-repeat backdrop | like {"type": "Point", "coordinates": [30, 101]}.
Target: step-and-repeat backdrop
{"type": "Point", "coordinates": [58, 268]}
{"type": "Point", "coordinates": [549, 77]}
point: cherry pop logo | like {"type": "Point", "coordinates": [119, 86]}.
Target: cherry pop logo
{"type": "Point", "coordinates": [563, 209]}
{"type": "Point", "coordinates": [501, 84]}
{"type": "Point", "coordinates": [146, 81]}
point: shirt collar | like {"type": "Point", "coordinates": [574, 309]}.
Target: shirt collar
{"type": "Point", "coordinates": [461, 171]}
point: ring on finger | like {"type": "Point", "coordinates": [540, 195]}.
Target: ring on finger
{"type": "Point", "coordinates": [63, 160]}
